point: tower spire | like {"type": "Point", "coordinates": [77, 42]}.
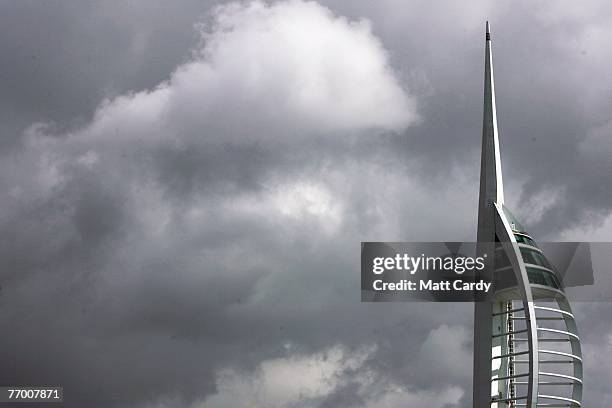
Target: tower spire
{"type": "Point", "coordinates": [491, 183]}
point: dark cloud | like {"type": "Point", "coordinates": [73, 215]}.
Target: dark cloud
{"type": "Point", "coordinates": [62, 59]}
{"type": "Point", "coordinates": [193, 238]}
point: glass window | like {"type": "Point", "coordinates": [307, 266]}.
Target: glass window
{"type": "Point", "coordinates": [525, 240]}
{"type": "Point", "coordinates": [542, 277]}
{"type": "Point", "coordinates": [534, 257]}
{"type": "Point", "coordinates": [514, 224]}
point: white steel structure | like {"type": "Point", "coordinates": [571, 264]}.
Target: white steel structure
{"type": "Point", "coordinates": [526, 345]}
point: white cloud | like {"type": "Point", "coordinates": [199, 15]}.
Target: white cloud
{"type": "Point", "coordinates": [267, 71]}
{"type": "Point", "coordinates": [282, 381]}
{"type": "Point", "coordinates": [305, 381]}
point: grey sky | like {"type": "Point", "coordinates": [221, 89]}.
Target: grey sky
{"type": "Point", "coordinates": [185, 188]}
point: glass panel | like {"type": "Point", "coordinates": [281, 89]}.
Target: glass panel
{"type": "Point", "coordinates": [525, 240]}
{"type": "Point", "coordinates": [514, 224]}
{"type": "Point", "coordinates": [534, 257]}
{"type": "Point", "coordinates": [542, 277]}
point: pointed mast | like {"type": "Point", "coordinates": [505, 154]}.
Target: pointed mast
{"type": "Point", "coordinates": [491, 183]}
{"type": "Point", "coordinates": [489, 128]}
